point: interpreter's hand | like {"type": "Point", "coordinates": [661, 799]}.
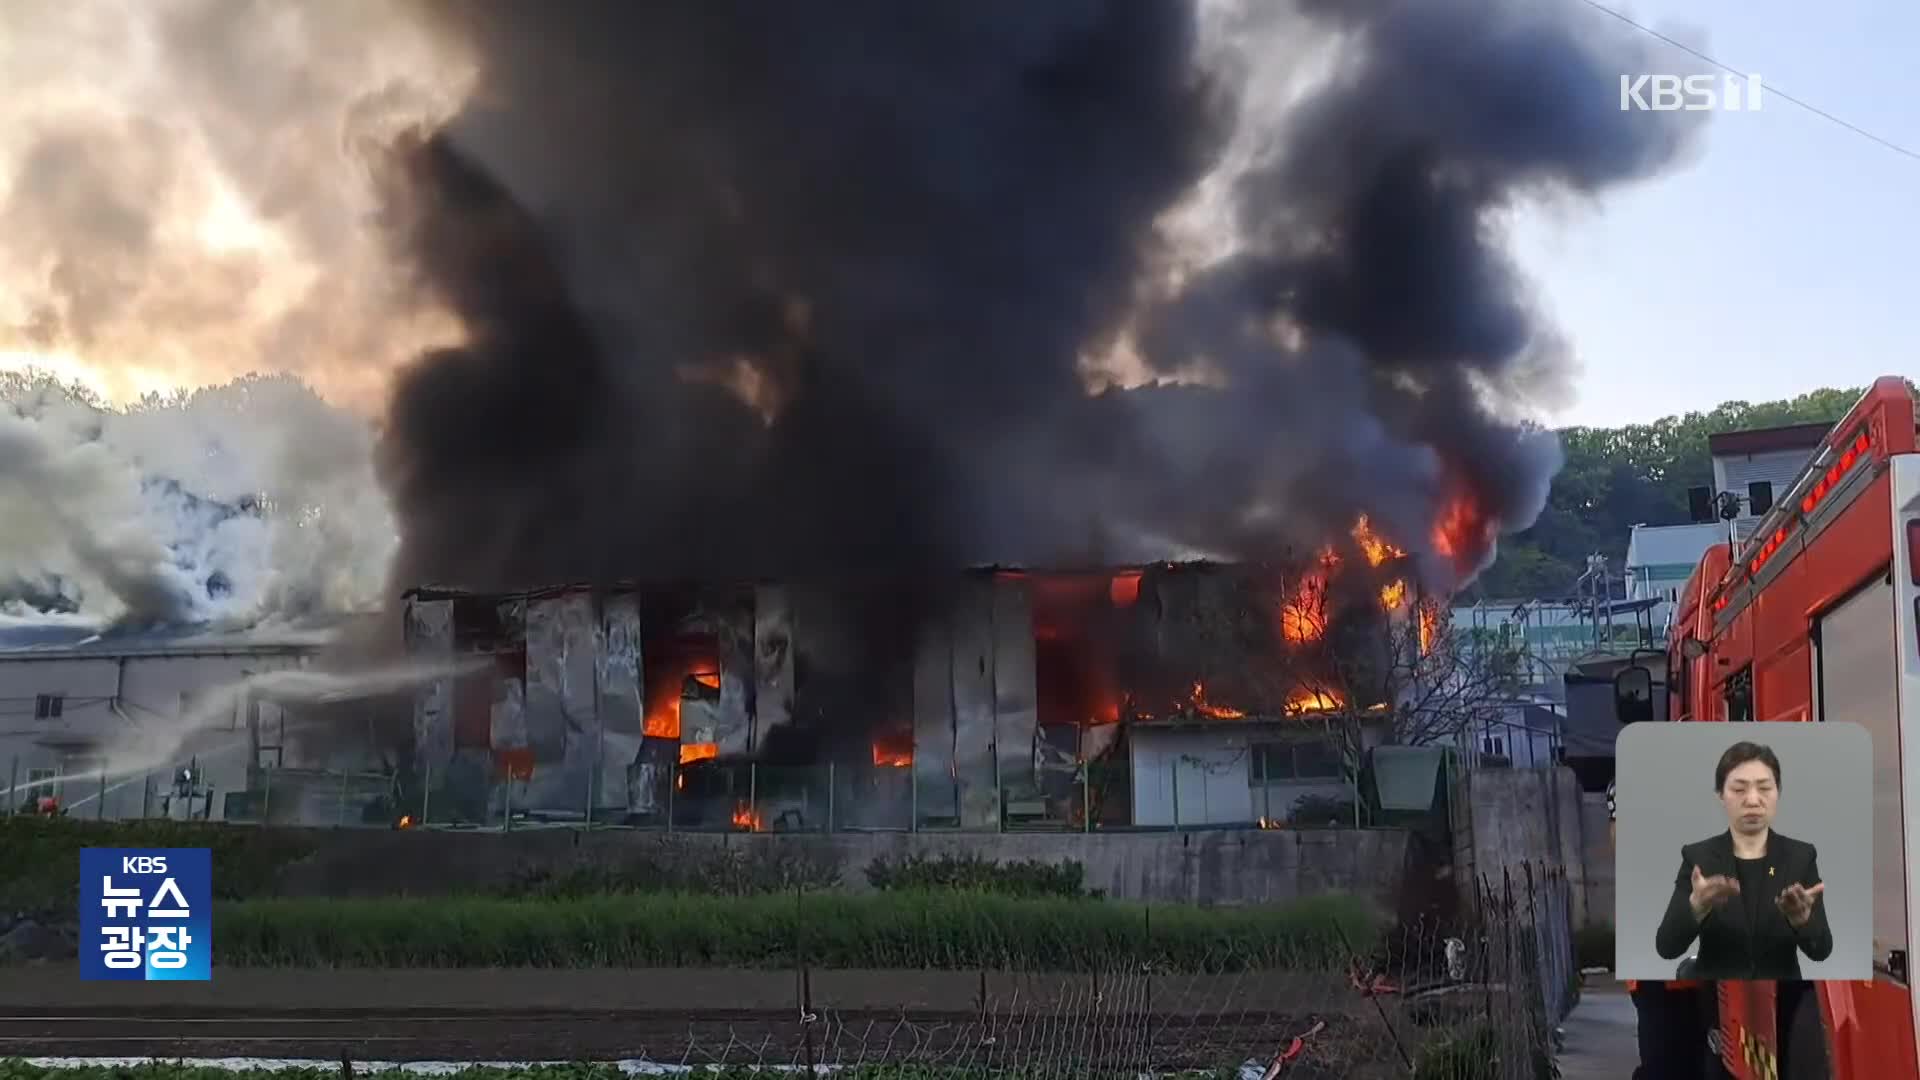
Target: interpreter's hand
{"type": "Point", "coordinates": [1796, 903]}
{"type": "Point", "coordinates": [1711, 892]}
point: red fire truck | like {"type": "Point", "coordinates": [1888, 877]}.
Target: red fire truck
{"type": "Point", "coordinates": [1815, 617]}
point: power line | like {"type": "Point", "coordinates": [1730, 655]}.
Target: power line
{"type": "Point", "coordinates": [1770, 88]}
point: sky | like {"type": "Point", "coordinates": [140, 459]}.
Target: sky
{"type": "Point", "coordinates": [1783, 257]}
{"type": "Point", "coordinates": [1778, 260]}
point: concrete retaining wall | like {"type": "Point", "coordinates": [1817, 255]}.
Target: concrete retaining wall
{"type": "Point", "coordinates": [1508, 818]}
{"type": "Point", "coordinates": [1597, 857]}
{"type": "Point", "coordinates": [1224, 867]}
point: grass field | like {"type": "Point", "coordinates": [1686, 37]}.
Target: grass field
{"type": "Point", "coordinates": [939, 930]}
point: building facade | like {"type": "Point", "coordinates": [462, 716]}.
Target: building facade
{"type": "Point", "coordinates": [106, 726]}
{"type": "Point", "coordinates": [1758, 466]}
{"type": "Point", "coordinates": [996, 699]}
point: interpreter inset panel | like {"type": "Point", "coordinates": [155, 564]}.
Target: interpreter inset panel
{"type": "Point", "coordinates": [1743, 851]}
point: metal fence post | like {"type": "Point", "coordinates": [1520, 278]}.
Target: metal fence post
{"type": "Point", "coordinates": [1266, 791]}
{"type": "Point", "coordinates": [340, 821]}
{"type": "Point", "coordinates": [593, 774]}
{"type": "Point", "coordinates": [1173, 773]}
{"type": "Point", "coordinates": [100, 811]}
{"type": "Point", "coordinates": [753, 795]}
{"type": "Point", "coordinates": [426, 791]}
{"type": "Point", "coordinates": [1086, 795]}
{"type": "Point", "coordinates": [829, 796]}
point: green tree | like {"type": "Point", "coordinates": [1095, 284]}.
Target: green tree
{"type": "Point", "coordinates": [1616, 478]}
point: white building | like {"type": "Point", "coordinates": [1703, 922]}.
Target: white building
{"type": "Point", "coordinates": [1526, 734]}
{"type": "Point", "coordinates": [105, 724]}
{"type": "Point", "coordinates": [1759, 466]}
{"type": "Point", "coordinates": [1660, 558]}
{"type": "Point", "coordinates": [1234, 772]}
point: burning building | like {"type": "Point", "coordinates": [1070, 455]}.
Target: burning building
{"type": "Point", "coordinates": [857, 294]}
{"type": "Point", "coordinates": [998, 697]}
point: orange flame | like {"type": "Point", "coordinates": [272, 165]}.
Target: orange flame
{"type": "Point", "coordinates": [1392, 596]}
{"type": "Point", "coordinates": [1124, 591]}
{"type": "Point", "coordinates": [1303, 617]}
{"type": "Point", "coordinates": [888, 757]}
{"type": "Point", "coordinates": [1376, 549]}
{"type": "Point", "coordinates": [665, 678]}
{"type": "Point", "coordinates": [1429, 627]}
{"type": "Point", "coordinates": [1218, 712]}
{"type": "Point", "coordinates": [698, 751]}
{"type": "Point", "coordinates": [1304, 701]}
{"type": "Point", "coordinates": [1463, 532]}
{"type": "Point", "coordinates": [745, 818]}
{"type": "Point", "coordinates": [405, 822]}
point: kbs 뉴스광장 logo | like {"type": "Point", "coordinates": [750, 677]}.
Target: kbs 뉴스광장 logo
{"type": "Point", "coordinates": [146, 913]}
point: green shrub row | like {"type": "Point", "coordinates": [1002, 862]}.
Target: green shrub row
{"type": "Point", "coordinates": [41, 855]}
{"type": "Point", "coordinates": [971, 873]}
{"type": "Point", "coordinates": [943, 930]}
{"type": "Point", "coordinates": [665, 865]}
{"type": "Point", "coordinates": [45, 853]}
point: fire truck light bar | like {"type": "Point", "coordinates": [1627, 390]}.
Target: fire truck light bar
{"type": "Point", "coordinates": [1855, 451]}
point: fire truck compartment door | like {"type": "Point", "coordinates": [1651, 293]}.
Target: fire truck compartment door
{"type": "Point", "coordinates": [1906, 643]}
{"type": "Point", "coordinates": [1857, 673]}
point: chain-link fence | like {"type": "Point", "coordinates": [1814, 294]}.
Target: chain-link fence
{"type": "Point", "coordinates": [1474, 998]}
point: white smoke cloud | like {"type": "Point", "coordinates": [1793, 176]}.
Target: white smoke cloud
{"type": "Point", "coordinates": [183, 190]}
{"type": "Point", "coordinates": [235, 505]}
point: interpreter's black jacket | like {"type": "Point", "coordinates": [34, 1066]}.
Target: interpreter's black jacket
{"type": "Point", "coordinates": [1741, 939]}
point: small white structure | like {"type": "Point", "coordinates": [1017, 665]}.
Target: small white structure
{"type": "Point", "coordinates": [1661, 557]}
{"type": "Point", "coordinates": [1526, 734]}
{"type": "Point", "coordinates": [104, 724]}
{"type": "Point", "coordinates": [1234, 772]}
{"type": "Point", "coordinates": [1760, 465]}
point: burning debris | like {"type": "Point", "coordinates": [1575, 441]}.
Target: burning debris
{"type": "Point", "coordinates": [1013, 682]}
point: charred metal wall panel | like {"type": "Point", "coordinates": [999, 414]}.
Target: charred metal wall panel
{"type": "Point", "coordinates": [621, 706]}
{"type": "Point", "coordinates": [1016, 698]}
{"type": "Point", "coordinates": [508, 718]}
{"type": "Point", "coordinates": [649, 776]}
{"type": "Point", "coordinates": [933, 723]}
{"type": "Point", "coordinates": [430, 641]}
{"type": "Point", "coordinates": [611, 794]}
{"type": "Point", "coordinates": [546, 679]}
{"type": "Point", "coordinates": [772, 662]}
{"type": "Point", "coordinates": [973, 705]}
{"type": "Point", "coordinates": [700, 720]}
{"type": "Point", "coordinates": [564, 660]}
{"type": "Point", "coordinates": [733, 627]}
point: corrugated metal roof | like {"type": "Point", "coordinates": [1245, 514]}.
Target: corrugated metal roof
{"type": "Point", "coordinates": [1662, 545]}
{"type": "Point", "coordinates": [1766, 440]}
{"type": "Point", "coordinates": [20, 641]}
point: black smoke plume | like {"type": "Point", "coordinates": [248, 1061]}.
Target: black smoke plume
{"type": "Point", "coordinates": [798, 290]}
